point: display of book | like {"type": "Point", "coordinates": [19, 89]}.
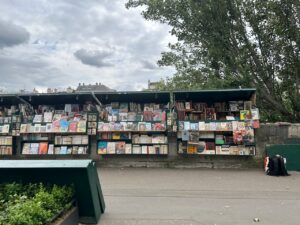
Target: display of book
{"type": "Point", "coordinates": [221, 128]}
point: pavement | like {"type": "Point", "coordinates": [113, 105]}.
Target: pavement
{"type": "Point", "coordinates": [151, 196]}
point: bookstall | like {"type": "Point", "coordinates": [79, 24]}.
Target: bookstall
{"type": "Point", "coordinates": [216, 122]}
{"type": "Point", "coordinates": [99, 125]}
{"type": "Point", "coordinates": [133, 124]}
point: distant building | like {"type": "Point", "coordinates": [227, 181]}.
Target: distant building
{"type": "Point", "coordinates": [93, 87]}
{"type": "Point", "coordinates": [154, 86]}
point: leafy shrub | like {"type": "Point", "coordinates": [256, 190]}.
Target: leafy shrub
{"type": "Point", "coordinates": [32, 204]}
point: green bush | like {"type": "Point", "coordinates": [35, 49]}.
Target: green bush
{"type": "Point", "coordinates": [32, 204]}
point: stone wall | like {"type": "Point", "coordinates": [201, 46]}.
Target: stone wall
{"type": "Point", "coordinates": [271, 133]}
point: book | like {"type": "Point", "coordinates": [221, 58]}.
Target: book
{"type": "Point", "coordinates": [191, 149]}
{"type": "Point", "coordinates": [194, 126]}
{"type": "Point", "coordinates": [136, 149]}
{"type": "Point", "coordinates": [201, 147]}
{"type": "Point", "coordinates": [37, 118]}
{"type": "Point", "coordinates": [48, 117]}
{"type": "Point", "coordinates": [50, 149]}
{"type": "Point", "coordinates": [144, 149]}
{"type": "Point", "coordinates": [116, 136]}
{"type": "Point", "coordinates": [23, 128]}
{"type": "Point", "coordinates": [111, 148]}
{"type": "Point", "coordinates": [185, 135]}
{"type": "Point", "coordinates": [255, 114]}
{"type": "Point", "coordinates": [245, 114]}
{"type": "Point", "coordinates": [120, 147]}
{"type": "Point", "coordinates": [81, 126]}
{"type": "Point", "coordinates": [63, 150]}
{"type": "Point", "coordinates": [124, 107]}
{"type": "Point", "coordinates": [142, 126]}
{"type": "Point", "coordinates": [193, 137]}
{"type": "Point", "coordinates": [64, 125]}
{"type": "Point", "coordinates": [43, 129]}
{"type": "Point", "coordinates": [73, 127]}
{"type": "Point", "coordinates": [201, 125]}
{"type": "Point", "coordinates": [43, 148]}
{"type": "Point", "coordinates": [26, 149]}
{"type": "Point", "coordinates": [128, 149]}
{"type": "Point", "coordinates": [210, 114]}
{"type": "Point", "coordinates": [37, 128]}
{"type": "Point", "coordinates": [102, 147]}
{"type": "Point", "coordinates": [55, 126]}
{"type": "Point", "coordinates": [187, 125]}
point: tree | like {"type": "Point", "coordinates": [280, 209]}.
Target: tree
{"type": "Point", "coordinates": [232, 43]}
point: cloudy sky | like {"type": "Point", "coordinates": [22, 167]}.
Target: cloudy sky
{"type": "Point", "coordinates": [59, 43]}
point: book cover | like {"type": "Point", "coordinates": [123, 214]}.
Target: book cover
{"type": "Point", "coordinates": [37, 119]}
{"type": "Point", "coordinates": [212, 126]}
{"type": "Point", "coordinates": [185, 135]}
{"type": "Point", "coordinates": [188, 105]}
{"type": "Point", "coordinates": [187, 125]}
{"type": "Point", "coordinates": [50, 149]}
{"type": "Point", "coordinates": [210, 114]}
{"type": "Point", "coordinates": [43, 148]}
{"type": "Point", "coordinates": [73, 127]}
{"type": "Point", "coordinates": [144, 149]}
{"type": "Point", "coordinates": [81, 126]}
{"type": "Point", "coordinates": [116, 136]}
{"type": "Point", "coordinates": [56, 126]}
{"type": "Point", "coordinates": [120, 147]}
{"type": "Point", "coordinates": [149, 127]}
{"type": "Point", "coordinates": [102, 147]}
{"type": "Point", "coordinates": [136, 149]}
{"type": "Point", "coordinates": [123, 107]}
{"type": "Point", "coordinates": [255, 114]}
{"type": "Point", "coordinates": [142, 126]}
{"type": "Point", "coordinates": [244, 114]}
{"type": "Point", "coordinates": [123, 116]}
{"type": "Point", "coordinates": [23, 128]}
{"type": "Point", "coordinates": [48, 117]}
{"type": "Point", "coordinates": [201, 147]}
{"type": "Point", "coordinates": [193, 137]}
{"type": "Point", "coordinates": [191, 149]}
{"type": "Point", "coordinates": [128, 149]}
{"type": "Point", "coordinates": [111, 148]}
{"type": "Point", "coordinates": [210, 146]}
{"type": "Point", "coordinates": [26, 149]}
{"type": "Point", "coordinates": [64, 125]}
{"type": "Point", "coordinates": [125, 135]}
{"type": "Point", "coordinates": [63, 150]}
{"type": "Point", "coordinates": [43, 128]}
{"type": "Point", "coordinates": [194, 126]}
{"type": "Point", "coordinates": [37, 128]}
{"type": "Point", "coordinates": [256, 124]}
{"type": "Point", "coordinates": [201, 125]}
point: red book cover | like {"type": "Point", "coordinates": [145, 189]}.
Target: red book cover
{"type": "Point", "coordinates": [73, 127]}
{"type": "Point", "coordinates": [43, 148]}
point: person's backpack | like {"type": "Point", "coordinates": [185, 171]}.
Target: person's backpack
{"type": "Point", "coordinates": [275, 166]}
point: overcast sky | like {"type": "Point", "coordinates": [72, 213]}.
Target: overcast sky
{"type": "Point", "coordinates": [59, 43]}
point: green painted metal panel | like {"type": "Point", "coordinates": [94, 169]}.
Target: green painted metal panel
{"type": "Point", "coordinates": [82, 173]}
{"type": "Point", "coordinates": [289, 151]}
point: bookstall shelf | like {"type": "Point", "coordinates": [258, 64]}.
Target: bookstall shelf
{"type": "Point", "coordinates": [134, 121]}
{"type": "Point", "coordinates": [215, 123]}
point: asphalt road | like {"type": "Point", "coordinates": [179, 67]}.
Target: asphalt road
{"type": "Point", "coordinates": [144, 196]}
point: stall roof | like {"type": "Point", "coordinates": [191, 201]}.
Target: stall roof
{"type": "Point", "coordinates": [127, 96]}
{"type": "Point", "coordinates": [217, 95]}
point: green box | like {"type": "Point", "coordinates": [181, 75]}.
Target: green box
{"type": "Point", "coordinates": [289, 151]}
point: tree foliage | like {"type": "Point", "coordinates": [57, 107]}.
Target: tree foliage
{"type": "Point", "coordinates": [234, 43]}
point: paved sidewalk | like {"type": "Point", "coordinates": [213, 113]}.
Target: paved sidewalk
{"type": "Point", "coordinates": [143, 196]}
